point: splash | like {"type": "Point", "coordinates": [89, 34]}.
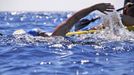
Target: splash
{"type": "Point", "coordinates": [114, 29]}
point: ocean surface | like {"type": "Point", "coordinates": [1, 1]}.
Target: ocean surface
{"type": "Point", "coordinates": [73, 55]}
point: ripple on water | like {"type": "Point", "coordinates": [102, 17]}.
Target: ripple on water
{"type": "Point", "coordinates": [92, 54]}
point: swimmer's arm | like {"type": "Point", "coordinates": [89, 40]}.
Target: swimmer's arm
{"type": "Point", "coordinates": [128, 20]}
{"type": "Point", "coordinates": [65, 27]}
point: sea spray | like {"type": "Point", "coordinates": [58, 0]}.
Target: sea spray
{"type": "Point", "coordinates": [114, 29]}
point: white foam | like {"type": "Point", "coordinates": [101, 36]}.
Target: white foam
{"type": "Point", "coordinates": [114, 29]}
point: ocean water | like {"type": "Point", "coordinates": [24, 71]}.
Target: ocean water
{"type": "Point", "coordinates": [74, 55]}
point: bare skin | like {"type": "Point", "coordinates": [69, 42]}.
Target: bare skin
{"type": "Point", "coordinates": [128, 20]}
{"type": "Point", "coordinates": [128, 16]}
{"type": "Point", "coordinates": [65, 26]}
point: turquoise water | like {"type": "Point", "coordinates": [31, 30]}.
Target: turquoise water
{"type": "Point", "coordinates": [76, 55]}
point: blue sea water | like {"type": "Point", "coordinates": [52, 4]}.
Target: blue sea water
{"type": "Point", "coordinates": [59, 55]}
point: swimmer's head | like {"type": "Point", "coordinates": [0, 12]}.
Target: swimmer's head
{"type": "Point", "coordinates": [37, 32]}
{"type": "Point", "coordinates": [129, 9]}
{"type": "Point", "coordinates": [33, 33]}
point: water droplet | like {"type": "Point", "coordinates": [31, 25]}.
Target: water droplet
{"type": "Point", "coordinates": [106, 54]}
{"type": "Point", "coordinates": [107, 59]}
{"type": "Point", "coordinates": [102, 69]}
{"type": "Point", "coordinates": [77, 72]}
{"type": "Point", "coordinates": [97, 54]}
{"type": "Point", "coordinates": [84, 61]}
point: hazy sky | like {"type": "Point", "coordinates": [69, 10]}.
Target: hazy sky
{"type": "Point", "coordinates": [52, 5]}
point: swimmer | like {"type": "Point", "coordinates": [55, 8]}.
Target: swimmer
{"type": "Point", "coordinates": [127, 18]}
{"type": "Point", "coordinates": [65, 26]}
{"type": "Point", "coordinates": [128, 14]}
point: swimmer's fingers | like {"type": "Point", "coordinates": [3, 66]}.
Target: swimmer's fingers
{"type": "Point", "coordinates": [109, 10]}
{"type": "Point", "coordinates": [110, 6]}
{"type": "Point", "coordinates": [104, 12]}
{"type": "Point", "coordinates": [104, 7]}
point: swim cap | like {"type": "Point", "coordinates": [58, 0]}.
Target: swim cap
{"type": "Point", "coordinates": [33, 32]}
{"type": "Point", "coordinates": [19, 32]}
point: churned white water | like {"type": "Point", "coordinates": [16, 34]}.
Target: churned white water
{"type": "Point", "coordinates": [114, 28]}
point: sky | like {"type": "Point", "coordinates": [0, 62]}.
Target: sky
{"type": "Point", "coordinates": [52, 5]}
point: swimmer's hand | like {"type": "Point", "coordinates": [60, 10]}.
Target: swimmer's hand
{"type": "Point", "coordinates": [103, 7]}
